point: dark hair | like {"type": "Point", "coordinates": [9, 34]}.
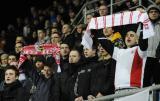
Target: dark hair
{"type": "Point", "coordinates": [56, 33]}
{"type": "Point", "coordinates": [40, 58]}
{"type": "Point", "coordinates": [13, 68]}
{"type": "Point", "coordinates": [20, 43]}
{"type": "Point", "coordinates": [66, 44]}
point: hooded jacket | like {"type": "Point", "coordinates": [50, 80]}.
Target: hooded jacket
{"type": "Point", "coordinates": [154, 40]}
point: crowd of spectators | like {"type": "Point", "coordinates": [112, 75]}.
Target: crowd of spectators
{"type": "Point", "coordinates": [85, 73]}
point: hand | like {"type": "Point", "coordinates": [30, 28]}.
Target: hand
{"type": "Point", "coordinates": [79, 98]}
{"type": "Point", "coordinates": [99, 95]}
{"type": "Point", "coordinates": [90, 97]}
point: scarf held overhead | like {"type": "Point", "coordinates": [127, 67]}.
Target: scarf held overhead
{"type": "Point", "coordinates": [40, 50]}
{"type": "Point", "coordinates": [124, 18]}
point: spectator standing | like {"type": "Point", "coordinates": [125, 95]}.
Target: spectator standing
{"type": "Point", "coordinates": [3, 65]}
{"type": "Point", "coordinates": [41, 37]}
{"type": "Point", "coordinates": [130, 74]}
{"type": "Point", "coordinates": [152, 65]}
{"type": "Point", "coordinates": [13, 89]}
{"type": "Point", "coordinates": [115, 38]}
{"type": "Point", "coordinates": [46, 82]}
{"type": "Point", "coordinates": [67, 37]}
{"type": "Point", "coordinates": [102, 77]}
{"type": "Point", "coordinates": [103, 10]}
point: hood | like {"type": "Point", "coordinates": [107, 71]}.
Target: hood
{"type": "Point", "coordinates": [153, 7]}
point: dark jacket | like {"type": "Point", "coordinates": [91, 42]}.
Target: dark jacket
{"type": "Point", "coordinates": [102, 78]}
{"type": "Point", "coordinates": [69, 39]}
{"type": "Point", "coordinates": [63, 78]}
{"type": "Point", "coordinates": [45, 87]}
{"type": "Point", "coordinates": [1, 75]}
{"type": "Point", "coordinates": [82, 78]}
{"type": "Point", "coordinates": [14, 92]}
{"type": "Point", "coordinates": [79, 81]}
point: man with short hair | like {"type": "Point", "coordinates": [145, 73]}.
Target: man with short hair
{"type": "Point", "coordinates": [64, 52]}
{"type": "Point", "coordinates": [46, 82]}
{"type": "Point", "coordinates": [67, 37]}
{"type": "Point", "coordinates": [151, 74]}
{"type": "Point", "coordinates": [12, 58]}
{"type": "Point", "coordinates": [103, 10]}
{"type": "Point", "coordinates": [13, 89]}
{"type": "Point", "coordinates": [41, 37]}
{"type": "Point", "coordinates": [130, 62]}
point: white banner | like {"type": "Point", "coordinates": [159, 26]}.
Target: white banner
{"type": "Point", "coordinates": [141, 96]}
{"type": "Point", "coordinates": [124, 18]}
{"type": "Point", "coordinates": [87, 40]}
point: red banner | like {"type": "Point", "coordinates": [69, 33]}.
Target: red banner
{"type": "Point", "coordinates": [43, 49]}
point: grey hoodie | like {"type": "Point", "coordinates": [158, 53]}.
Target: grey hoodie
{"type": "Point", "coordinates": [154, 40]}
{"type": "Point", "coordinates": [153, 7]}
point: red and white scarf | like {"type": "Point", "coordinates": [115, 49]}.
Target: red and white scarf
{"type": "Point", "coordinates": [123, 18]}
{"type": "Point", "coordinates": [40, 50]}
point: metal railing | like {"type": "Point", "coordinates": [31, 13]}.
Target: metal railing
{"type": "Point", "coordinates": [151, 88]}
{"type": "Point", "coordinates": [81, 10]}
{"type": "Point", "coordinates": [85, 11]}
{"type": "Point", "coordinates": [130, 92]}
{"type": "Point", "coordinates": [94, 10]}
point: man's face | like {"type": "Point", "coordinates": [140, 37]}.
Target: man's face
{"type": "Point", "coordinates": [11, 58]}
{"type": "Point", "coordinates": [108, 31]}
{"type": "Point", "coordinates": [103, 10]}
{"type": "Point", "coordinates": [102, 51]}
{"type": "Point", "coordinates": [74, 57]}
{"type": "Point", "coordinates": [10, 76]}
{"type": "Point", "coordinates": [18, 47]}
{"type": "Point", "coordinates": [65, 29]}
{"type": "Point", "coordinates": [153, 14]}
{"type": "Point", "coordinates": [131, 39]}
{"type": "Point", "coordinates": [47, 71]}
{"type": "Point", "coordinates": [89, 52]}
{"type": "Point", "coordinates": [55, 38]}
{"type": "Point", "coordinates": [64, 50]}
{"type": "Point", "coordinates": [4, 60]}
{"type": "Point", "coordinates": [79, 28]}
{"type": "Point", "coordinates": [41, 34]}
{"type": "Point", "coordinates": [39, 65]}
{"type": "Point", "coordinates": [88, 18]}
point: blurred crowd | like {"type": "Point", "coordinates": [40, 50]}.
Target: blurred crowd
{"type": "Point", "coordinates": [119, 59]}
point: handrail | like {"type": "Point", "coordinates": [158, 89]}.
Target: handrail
{"type": "Point", "coordinates": [130, 92]}
{"type": "Point", "coordinates": [82, 9]}
{"type": "Point", "coordinates": [90, 2]}
{"type": "Point", "coordinates": [77, 24]}
{"type": "Point", "coordinates": [152, 2]}
{"type": "Point", "coordinates": [93, 10]}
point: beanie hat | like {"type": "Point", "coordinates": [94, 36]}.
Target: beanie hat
{"type": "Point", "coordinates": [153, 7]}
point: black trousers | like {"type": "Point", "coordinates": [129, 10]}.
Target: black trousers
{"type": "Point", "coordinates": [151, 72]}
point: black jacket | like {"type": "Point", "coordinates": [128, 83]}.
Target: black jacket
{"type": "Point", "coordinates": [102, 78]}
{"type": "Point", "coordinates": [82, 78]}
{"type": "Point", "coordinates": [69, 39]}
{"type": "Point", "coordinates": [76, 80]}
{"type": "Point", "coordinates": [14, 92]}
{"type": "Point", "coordinates": [63, 77]}
{"type": "Point", "coordinates": [46, 89]}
